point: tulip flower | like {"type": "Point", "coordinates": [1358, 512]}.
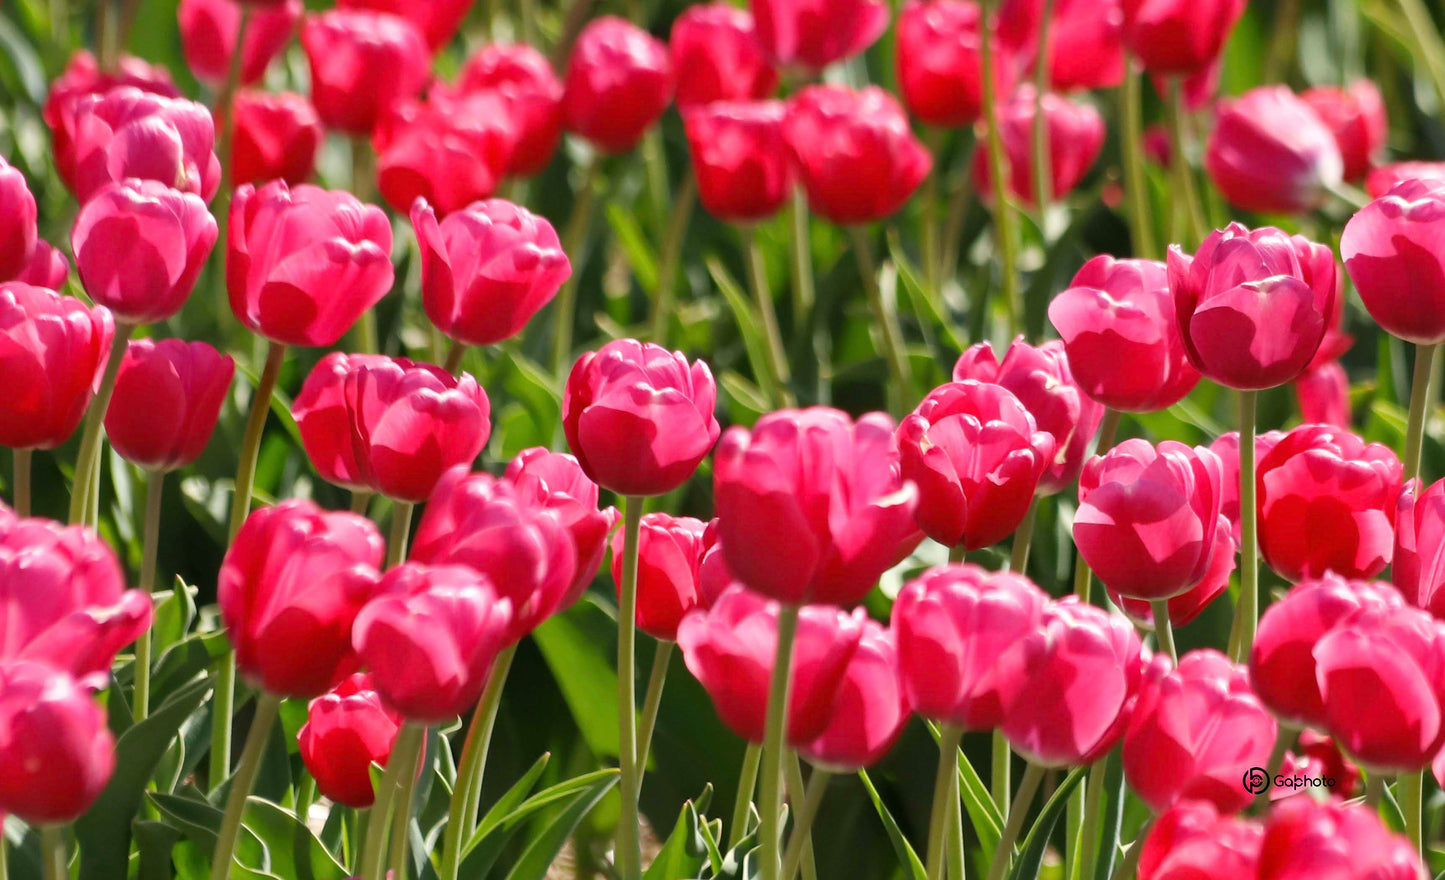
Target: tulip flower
{"type": "Point", "coordinates": [638, 417]}
{"type": "Point", "coordinates": [815, 33]}
{"type": "Point", "coordinates": [1391, 255]}
{"type": "Point", "coordinates": [347, 729]}
{"type": "Point", "coordinates": [1323, 393]}
{"type": "Point", "coordinates": [47, 268]}
{"type": "Point", "coordinates": [669, 554]}
{"type": "Point", "coordinates": [208, 37]}
{"type": "Point", "coordinates": [618, 82]}
{"type": "Point", "coordinates": [1121, 337]}
{"type": "Point", "coordinates": [553, 481]}
{"type": "Point", "coordinates": [1321, 757]}
{"type": "Point", "coordinates": [17, 222]}
{"type": "Point", "coordinates": [1085, 49]}
{"type": "Point", "coordinates": [855, 152]}
{"type": "Point", "coordinates": [977, 457]}
{"type": "Point", "coordinates": [127, 132]}
{"type": "Point", "coordinates": [59, 347]}
{"type": "Point", "coordinates": [1383, 179]}
{"type": "Point", "coordinates": [1332, 840]}
{"type": "Point", "coordinates": [1075, 134]}
{"type": "Point", "coordinates": [1226, 446]}
{"type": "Point", "coordinates": [451, 151]}
{"type": "Point", "coordinates": [1178, 36]}
{"type": "Point", "coordinates": [438, 20]}
{"type": "Point", "coordinates": [1189, 604]}
{"type": "Point", "coordinates": [168, 396]}
{"type": "Point", "coordinates": [1419, 546]}
{"type": "Point", "coordinates": [940, 74]}
{"type": "Point", "coordinates": [523, 79]}
{"type": "Point", "coordinates": [811, 506]}
{"type": "Point", "coordinates": [303, 263]}
{"type": "Point", "coordinates": [362, 64]}
{"type": "Point", "coordinates": [275, 136]}
{"type": "Point", "coordinates": [869, 711]}
{"type": "Point", "coordinates": [1356, 117]}
{"type": "Point", "coordinates": [1326, 503]}
{"type": "Point", "coordinates": [55, 746]}
{"type": "Point", "coordinates": [139, 248]}
{"type": "Point", "coordinates": [1270, 152]}
{"type": "Point", "coordinates": [716, 56]}
{"type": "Point", "coordinates": [487, 269]}
{"type": "Point", "coordinates": [713, 576]}
{"type": "Point", "coordinates": [740, 158]}
{"type": "Point", "coordinates": [1192, 839]}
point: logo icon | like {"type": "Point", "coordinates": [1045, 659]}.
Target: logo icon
{"type": "Point", "coordinates": [1256, 780]}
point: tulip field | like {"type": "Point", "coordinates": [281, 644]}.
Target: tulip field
{"type": "Point", "coordinates": [725, 440]}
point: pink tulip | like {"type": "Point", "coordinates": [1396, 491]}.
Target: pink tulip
{"type": "Point", "coordinates": [740, 158]}
{"type": "Point", "coordinates": [1178, 36]}
{"type": "Point", "coordinates": [1323, 393]}
{"type": "Point", "coordinates": [47, 268]}
{"type": "Point", "coordinates": [362, 64]}
{"type": "Point", "coordinates": [1392, 252]}
{"type": "Point", "coordinates": [669, 555]}
{"type": "Point", "coordinates": [1075, 135]}
{"type": "Point", "coordinates": [1321, 757]}
{"type": "Point", "coordinates": [618, 82]}
{"type": "Point", "coordinates": [83, 77]}
{"type": "Point", "coordinates": [1383, 179]}
{"type": "Point", "coordinates": [1191, 840]}
{"type": "Point", "coordinates": [168, 396]}
{"type": "Point", "coordinates": [130, 133]}
{"type": "Point", "coordinates": [1270, 152]}
{"type": "Point", "coordinates": [347, 729]}
{"type": "Point", "coordinates": [56, 750]}
{"type": "Point", "coordinates": [713, 576]}
{"type": "Point", "coordinates": [1085, 46]}
{"type": "Point", "coordinates": [17, 222]}
{"type": "Point", "coordinates": [716, 56]}
{"type": "Point", "coordinates": [869, 712]}
{"type": "Point", "coordinates": [553, 481]}
{"type": "Point", "coordinates": [523, 79]}
{"type": "Point", "coordinates": [276, 136]}
{"type": "Point", "coordinates": [1356, 117]}
{"type": "Point", "coordinates": [1189, 604]}
{"type": "Point", "coordinates": [1420, 546]}
{"type": "Point", "coordinates": [449, 150]}
{"type": "Point", "coordinates": [208, 37]}
{"type": "Point", "coordinates": [940, 72]}
{"type": "Point", "coordinates": [438, 20]}
{"type": "Point", "coordinates": [1226, 446]}
{"type": "Point", "coordinates": [1305, 839]}
{"type": "Point", "coordinates": [811, 506]}
{"type": "Point", "coordinates": [56, 348]}
{"type": "Point", "coordinates": [815, 33]}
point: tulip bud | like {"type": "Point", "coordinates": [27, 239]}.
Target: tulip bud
{"type": "Point", "coordinates": [1303, 835]}
{"type": "Point", "coordinates": [940, 72]}
{"type": "Point", "coordinates": [1192, 839]}
{"type": "Point", "coordinates": [58, 348]}
{"type": "Point", "coordinates": [1178, 36]}
{"type": "Point", "coordinates": [362, 64]}
{"type": "Point", "coordinates": [1383, 179]}
{"type": "Point", "coordinates": [83, 77]}
{"type": "Point", "coordinates": [168, 396]}
{"type": "Point", "coordinates": [276, 136]}
{"type": "Point", "coordinates": [450, 151]}
{"type": "Point", "coordinates": [130, 133]}
{"type": "Point", "coordinates": [1075, 137]}
{"type": "Point", "coordinates": [740, 158]}
{"type": "Point", "coordinates": [1356, 117]}
{"type": "Point", "coordinates": [869, 712]}
{"type": "Point", "coordinates": [816, 33]}
{"type": "Point", "coordinates": [553, 481]}
{"type": "Point", "coordinates": [716, 56]}
{"type": "Point", "coordinates": [208, 37]}
{"type": "Point", "coordinates": [47, 268]}
{"type": "Point", "coordinates": [523, 79]}
{"type": "Point", "coordinates": [347, 729]}
{"type": "Point", "coordinates": [1391, 254]}
{"type": "Point", "coordinates": [1270, 152]}
{"type": "Point", "coordinates": [619, 81]}
{"type": "Point", "coordinates": [1085, 50]}
{"type": "Point", "coordinates": [669, 554]}
{"type": "Point", "coordinates": [438, 20]}
{"type": "Point", "coordinates": [55, 748]}
{"type": "Point", "coordinates": [17, 222]}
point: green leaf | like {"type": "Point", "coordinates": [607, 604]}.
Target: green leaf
{"type": "Point", "coordinates": [186, 659]}
{"type": "Point", "coordinates": [1037, 840]}
{"type": "Point", "coordinates": [1111, 817]}
{"type": "Point", "coordinates": [982, 811]}
{"type": "Point", "coordinates": [175, 613]}
{"type": "Point", "coordinates": [906, 855]}
{"type": "Point", "coordinates": [575, 645]}
{"type": "Point", "coordinates": [495, 831]}
{"type": "Point", "coordinates": [746, 317]}
{"type": "Point", "coordinates": [685, 851]}
{"type": "Point", "coordinates": [154, 842]}
{"type": "Point", "coordinates": [537, 858]}
{"type": "Point", "coordinates": [294, 852]}
{"type": "Point", "coordinates": [514, 796]}
{"type": "Point", "coordinates": [635, 247]}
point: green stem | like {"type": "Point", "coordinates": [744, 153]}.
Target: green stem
{"type": "Point", "coordinates": [796, 792]}
{"type": "Point", "coordinates": [886, 316]}
{"type": "Point", "coordinates": [669, 257]}
{"type": "Point", "coordinates": [401, 822]}
{"type": "Point", "coordinates": [775, 383]}
{"type": "Point", "coordinates": [22, 481]}
{"type": "Point", "coordinates": [360, 501]}
{"type": "Point", "coordinates": [1000, 771]}
{"type": "Point", "coordinates": [140, 698]}
{"type": "Point", "coordinates": [466, 795]}
{"type": "Point", "coordinates": [1284, 741]}
{"type": "Point", "coordinates": [305, 797]}
{"type": "Point", "coordinates": [1246, 614]}
{"type": "Point", "coordinates": [1028, 787]}
{"type": "Point", "coordinates": [401, 513]}
{"type": "Point", "coordinates": [945, 793]}
{"type": "Point", "coordinates": [957, 554]}
{"type": "Point", "coordinates": [661, 659]}
{"type": "Point", "coordinates": [1164, 629]}
{"type": "Point", "coordinates": [1039, 136]}
{"type": "Point", "coordinates": [1073, 833]}
{"type": "Point", "coordinates": [1089, 834]}
{"type": "Point", "coordinates": [747, 783]}
{"type": "Point", "coordinates": [574, 236]}
{"type": "Point", "coordinates": [1023, 537]}
{"type": "Point", "coordinates": [455, 353]}
{"type": "Point", "coordinates": [87, 460]}
{"type": "Point", "coordinates": [629, 841]}
{"type": "Point", "coordinates": [928, 232]}
{"type": "Point", "coordinates": [52, 846]}
{"type": "Point", "coordinates": [403, 760]}
{"type": "Point", "coordinates": [803, 293]}
{"type": "Point", "coordinates": [774, 733]}
{"type": "Point", "coordinates": [954, 845]}
{"type": "Point", "coordinates": [4, 856]}
{"type": "Point", "coordinates": [1419, 408]}
{"type": "Point", "coordinates": [1411, 789]}
{"type": "Point", "coordinates": [359, 830]}
{"type": "Point", "coordinates": [267, 706]}
{"type": "Point", "coordinates": [998, 174]}
{"type": "Point", "coordinates": [958, 202]}
{"type": "Point", "coordinates": [1130, 861]}
{"type": "Point", "coordinates": [1141, 225]}
{"type": "Point", "coordinates": [1374, 790]}
{"type": "Point", "coordinates": [1179, 161]}
{"type": "Point", "coordinates": [803, 822]}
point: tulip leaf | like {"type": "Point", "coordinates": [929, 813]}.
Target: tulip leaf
{"type": "Point", "coordinates": [982, 811]}
{"type": "Point", "coordinates": [513, 798]}
{"type": "Point", "coordinates": [633, 242]}
{"type": "Point", "coordinates": [175, 612]}
{"type": "Point", "coordinates": [1037, 840]}
{"type": "Point", "coordinates": [685, 851]}
{"type": "Point", "coordinates": [745, 315]}
{"type": "Point", "coordinates": [575, 645]}
{"type": "Point", "coordinates": [186, 659]}
{"type": "Point", "coordinates": [154, 842]}
{"type": "Point", "coordinates": [537, 858]}
{"type": "Point", "coordinates": [923, 304]}
{"type": "Point", "coordinates": [912, 865]}
{"type": "Point", "coordinates": [273, 841]}
{"type": "Point", "coordinates": [1111, 817]}
{"type": "Point", "coordinates": [496, 831]}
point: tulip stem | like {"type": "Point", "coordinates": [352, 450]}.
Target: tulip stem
{"type": "Point", "coordinates": [958, 202]}
{"type": "Point", "coordinates": [403, 760]}
{"type": "Point", "coordinates": [1164, 629]}
{"type": "Point", "coordinates": [747, 783]}
{"type": "Point", "coordinates": [4, 857]}
{"type": "Point", "coordinates": [360, 501]}
{"type": "Point", "coordinates": [1023, 537]}
{"type": "Point", "coordinates": [661, 659]}
{"type": "Point", "coordinates": [803, 293]}
{"type": "Point", "coordinates": [1410, 790]}
{"type": "Point", "coordinates": [574, 237]}
{"type": "Point", "coordinates": [1246, 613]}
{"type": "Point", "coordinates": [401, 513]}
{"type": "Point", "coordinates": [401, 823]}
{"type": "Point", "coordinates": [22, 481]}
{"type": "Point", "coordinates": [1085, 863]}
{"type": "Point", "coordinates": [998, 173]}
{"type": "Point", "coordinates": [774, 732]}
{"type": "Point", "coordinates": [1193, 212]}
{"type": "Point", "coordinates": [1141, 226]}
{"type": "Point", "coordinates": [1000, 771]}
{"type": "Point", "coordinates": [802, 836]}
{"type": "Point", "coordinates": [1374, 789]}
{"type": "Point", "coordinates": [466, 795]}
{"type": "Point", "coordinates": [1043, 175]}
{"type": "Point", "coordinates": [305, 797]}
{"type": "Point", "coordinates": [140, 697]}
{"type": "Point", "coordinates": [928, 232]}
{"type": "Point", "coordinates": [455, 353]}
{"type": "Point", "coordinates": [953, 847]}
{"type": "Point", "coordinates": [87, 460]}
{"type": "Point", "coordinates": [775, 381]}
{"type": "Point", "coordinates": [629, 841]}
{"type": "Point", "coordinates": [669, 256]}
{"type": "Point", "coordinates": [885, 314]}
{"type": "Point", "coordinates": [796, 792]}
{"type": "Point", "coordinates": [945, 793]}
{"type": "Point", "coordinates": [1130, 861]}
{"type": "Point", "coordinates": [1028, 787]}
{"type": "Point", "coordinates": [52, 845]}
{"type": "Point", "coordinates": [1419, 406]}
{"type": "Point", "coordinates": [267, 706]}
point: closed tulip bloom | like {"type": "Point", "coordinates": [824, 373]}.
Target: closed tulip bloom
{"type": "Point", "coordinates": [1327, 503]}
{"type": "Point", "coordinates": [523, 549]}
{"type": "Point", "coordinates": [389, 425]}
{"type": "Point", "coordinates": [1039, 376]}
{"type": "Point", "coordinates": [869, 712]}
{"type": "Point", "coordinates": [303, 264]}
{"type": "Point", "coordinates": [83, 77]}
{"type": "Point", "coordinates": [816, 33]}
{"type": "Point", "coordinates": [618, 83]}
{"type": "Point", "coordinates": [716, 56]}
{"type": "Point", "coordinates": [1189, 604]}
{"type": "Point", "coordinates": [553, 481]}
{"type": "Point", "coordinates": [450, 151]}
{"type": "Point", "coordinates": [1178, 36]}
{"type": "Point", "coordinates": [1282, 663]}
{"type": "Point", "coordinates": [47, 268]}
{"type": "Point", "coordinates": [487, 269]}
{"type": "Point", "coordinates": [1305, 839]}
{"type": "Point", "coordinates": [523, 79]}
{"type": "Point", "coordinates": [977, 457]}
{"type": "Point", "coordinates": [56, 348]}
{"type": "Point", "coordinates": [276, 137]}
{"type": "Point", "coordinates": [438, 20]}
{"type": "Point", "coordinates": [669, 555]}
{"type": "Point", "coordinates": [1148, 517]}
{"type": "Point", "coordinates": [362, 64]}
{"type": "Point", "coordinates": [290, 588]}
{"type": "Point", "coordinates": [1383, 179]}
{"type": "Point", "coordinates": [347, 729]}
{"type": "Point", "coordinates": [168, 396]}
{"type": "Point", "coordinates": [17, 222]}
{"type": "Point", "coordinates": [1270, 152]}
{"type": "Point", "coordinates": [940, 71]}
{"type": "Point", "coordinates": [1086, 50]}
{"type": "Point", "coordinates": [1392, 251]}
{"type": "Point", "coordinates": [1226, 446]}
{"type": "Point", "coordinates": [639, 417]}
{"type": "Point", "coordinates": [430, 638]}
{"type": "Point", "coordinates": [130, 133]}
{"type": "Point", "coordinates": [1192, 840]}
{"type": "Point", "coordinates": [730, 649]}
{"type": "Point", "coordinates": [208, 37]}
{"type": "Point", "coordinates": [811, 506]}
{"type": "Point", "coordinates": [139, 248]}
{"type": "Point", "coordinates": [1070, 685]}
{"type": "Point", "coordinates": [1356, 116]}
{"type": "Point", "coordinates": [855, 152]}
{"type": "Point", "coordinates": [1323, 394]}
{"type": "Point", "coordinates": [740, 158]}
{"type": "Point", "coordinates": [55, 745]}
{"type": "Point", "coordinates": [1419, 561]}
{"type": "Point", "coordinates": [1275, 290]}
{"type": "Point", "coordinates": [1075, 132]}
{"type": "Point", "coordinates": [953, 623]}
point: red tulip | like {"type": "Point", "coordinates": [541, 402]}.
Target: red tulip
{"type": "Point", "coordinates": [168, 396]}
{"type": "Point", "coordinates": [1192, 840]}
{"type": "Point", "coordinates": [1198, 89]}
{"type": "Point", "coordinates": [303, 263]}
{"type": "Point", "coordinates": [740, 158]}
{"type": "Point", "coordinates": [523, 79]}
{"type": "Point", "coordinates": [438, 20]}
{"type": "Point", "coordinates": [276, 136]}
{"type": "Point", "coordinates": [1305, 839]}
{"type": "Point", "coordinates": [1320, 757]}
{"type": "Point", "coordinates": [855, 153]}
{"type": "Point", "coordinates": [449, 151]}
{"type": "Point", "coordinates": [1282, 663]}
{"type": "Point", "coordinates": [1356, 117]}
{"type": "Point", "coordinates": [290, 588]}
{"type": "Point", "coordinates": [1085, 40]}
{"type": "Point", "coordinates": [139, 248]}
{"type": "Point", "coordinates": [83, 77]}
{"type": "Point", "coordinates": [1178, 36]}
{"type": "Point", "coordinates": [619, 81]}
{"type": "Point", "coordinates": [17, 222]}
{"type": "Point", "coordinates": [816, 33]}
{"type": "Point", "coordinates": [1070, 685]}
{"type": "Point", "coordinates": [810, 505]}
{"type": "Point", "coordinates": [669, 554]}
{"type": "Point", "coordinates": [208, 37]}
{"type": "Point", "coordinates": [347, 729]}
{"type": "Point", "coordinates": [1075, 132]}
{"type": "Point", "coordinates": [953, 623]}
{"type": "Point", "coordinates": [1040, 378]}
{"type": "Point", "coordinates": [1323, 393]}
{"type": "Point", "coordinates": [1420, 546]}
{"type": "Point", "coordinates": [1122, 340]}
{"type": "Point", "coordinates": [430, 638]}
{"type": "Point", "coordinates": [362, 64]}
{"type": "Point", "coordinates": [977, 457]}
{"type": "Point", "coordinates": [869, 712]}
{"type": "Point", "coordinates": [553, 481]}
{"type": "Point", "coordinates": [940, 73]}
{"type": "Point", "coordinates": [523, 549]}
{"type": "Point", "coordinates": [130, 133]}
{"type": "Point", "coordinates": [1189, 604]}
{"type": "Point", "coordinates": [730, 649]}
{"type": "Point", "coordinates": [1275, 290]}
{"type": "Point", "coordinates": [1392, 252]}
{"type": "Point", "coordinates": [55, 747]}
{"type": "Point", "coordinates": [639, 417]}
{"type": "Point", "coordinates": [1270, 152]}
{"type": "Point", "coordinates": [1327, 503]}
{"type": "Point", "coordinates": [1226, 446]}
{"type": "Point", "coordinates": [47, 268]}
{"type": "Point", "coordinates": [1383, 179]}
{"type": "Point", "coordinates": [486, 270]}
{"type": "Point", "coordinates": [57, 348]}
{"type": "Point", "coordinates": [716, 56]}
